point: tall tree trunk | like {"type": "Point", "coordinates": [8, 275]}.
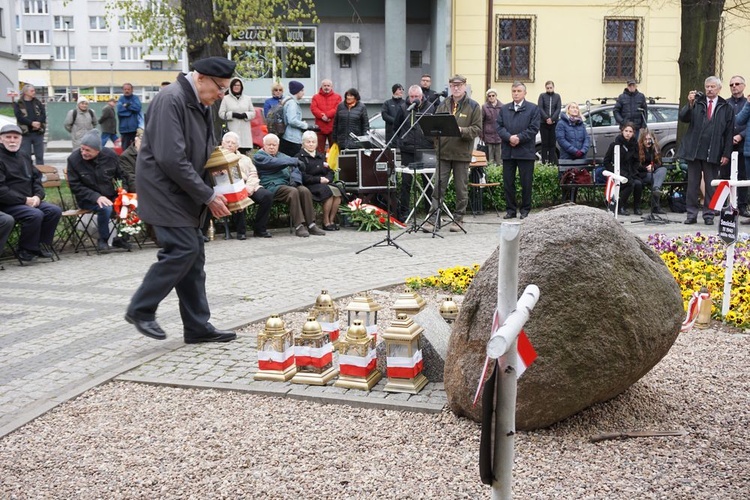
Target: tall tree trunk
{"type": "Point", "coordinates": [205, 35]}
{"type": "Point", "coordinates": [699, 31]}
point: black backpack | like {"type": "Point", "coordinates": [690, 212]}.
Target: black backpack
{"type": "Point", "coordinates": [275, 120]}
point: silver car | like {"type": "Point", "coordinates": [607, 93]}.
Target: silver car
{"type": "Point", "coordinates": [662, 122]}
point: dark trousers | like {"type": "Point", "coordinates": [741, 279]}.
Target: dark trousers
{"type": "Point", "coordinates": [103, 215]}
{"type": "Point", "coordinates": [263, 199]}
{"type": "Point", "coordinates": [549, 153]}
{"type": "Point", "coordinates": [6, 227]}
{"type": "Point", "coordinates": [526, 173]}
{"type": "Point", "coordinates": [179, 266]}
{"type": "Point", "coordinates": [289, 148]}
{"type": "Point", "coordinates": [709, 171]}
{"type": "Point", "coordinates": [34, 141]}
{"type": "Point", "coordinates": [405, 189]}
{"type": "Point", "coordinates": [634, 186]}
{"type": "Point", "coordinates": [126, 138]}
{"type": "Point", "coordinates": [38, 224]}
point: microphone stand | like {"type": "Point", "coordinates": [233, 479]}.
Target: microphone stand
{"type": "Point", "coordinates": [388, 241]}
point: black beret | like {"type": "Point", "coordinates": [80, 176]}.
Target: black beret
{"type": "Point", "coordinates": [220, 67]}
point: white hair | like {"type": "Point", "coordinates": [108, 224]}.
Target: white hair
{"type": "Point", "coordinates": [270, 137]}
{"type": "Point", "coordinates": [309, 134]}
{"type": "Point", "coordinates": [231, 135]}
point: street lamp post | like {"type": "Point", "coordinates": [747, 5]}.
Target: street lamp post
{"type": "Point", "coordinates": [70, 72]}
{"type": "Point", "coordinates": [111, 79]}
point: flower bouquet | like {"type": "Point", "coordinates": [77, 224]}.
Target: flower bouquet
{"type": "Point", "coordinates": [125, 207]}
{"type": "Point", "coordinates": [369, 217]}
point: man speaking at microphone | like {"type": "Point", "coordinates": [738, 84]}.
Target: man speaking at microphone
{"type": "Point", "coordinates": [175, 196]}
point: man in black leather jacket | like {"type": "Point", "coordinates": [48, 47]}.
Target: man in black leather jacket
{"type": "Point", "coordinates": [631, 107]}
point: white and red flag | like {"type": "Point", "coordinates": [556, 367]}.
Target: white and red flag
{"type": "Point", "coordinates": [720, 196]}
{"type": "Point", "coordinates": [610, 190]}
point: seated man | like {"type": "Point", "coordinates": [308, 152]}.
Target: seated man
{"type": "Point", "coordinates": [260, 195]}
{"type": "Point", "coordinates": [91, 175]}
{"type": "Point", "coordinates": [21, 195]}
{"type": "Point", "coordinates": [273, 169]}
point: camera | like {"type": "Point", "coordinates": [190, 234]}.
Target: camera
{"type": "Point", "coordinates": [699, 95]}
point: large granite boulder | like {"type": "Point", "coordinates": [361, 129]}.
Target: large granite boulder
{"type": "Point", "coordinates": [608, 311]}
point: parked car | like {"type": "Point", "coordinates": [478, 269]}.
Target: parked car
{"type": "Point", "coordinates": [6, 120]}
{"type": "Point", "coordinates": [662, 121]}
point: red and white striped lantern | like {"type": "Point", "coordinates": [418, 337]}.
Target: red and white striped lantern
{"type": "Point", "coordinates": [275, 352]}
{"type": "Point", "coordinates": [358, 359]}
{"type": "Point", "coordinates": [313, 355]}
{"type": "Point", "coordinates": [223, 165]}
{"type": "Point", "coordinates": [404, 356]}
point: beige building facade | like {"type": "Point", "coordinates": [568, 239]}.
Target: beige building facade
{"type": "Point", "coordinates": [588, 48]}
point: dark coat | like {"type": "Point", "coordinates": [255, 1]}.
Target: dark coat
{"type": "Point", "coordinates": [412, 138]}
{"type": "Point", "coordinates": [173, 186]}
{"type": "Point", "coordinates": [720, 137]}
{"type": "Point", "coordinates": [525, 124]}
{"type": "Point", "coordinates": [549, 106]}
{"type": "Point", "coordinates": [393, 111]}
{"type": "Point", "coordinates": [629, 162]}
{"type": "Point", "coordinates": [127, 161]}
{"type": "Point", "coordinates": [90, 179]}
{"type": "Point", "coordinates": [630, 107]}
{"type": "Point", "coordinates": [347, 121]}
{"type": "Point", "coordinates": [30, 111]}
{"type": "Point", "coordinates": [571, 137]}
{"type": "Point", "coordinates": [108, 120]}
{"type": "Point", "coordinates": [489, 123]}
{"type": "Point", "coordinates": [312, 170]}
{"type": "Point", "coordinates": [18, 178]}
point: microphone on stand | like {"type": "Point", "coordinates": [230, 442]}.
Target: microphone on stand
{"type": "Point", "coordinates": [411, 106]}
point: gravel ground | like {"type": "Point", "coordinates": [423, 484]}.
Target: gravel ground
{"type": "Point", "coordinates": [125, 440]}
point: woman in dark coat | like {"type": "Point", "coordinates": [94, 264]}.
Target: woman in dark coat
{"type": "Point", "coordinates": [571, 134]}
{"type": "Point", "coordinates": [350, 118]}
{"type": "Point", "coordinates": [316, 176]}
{"type": "Point", "coordinates": [629, 165]}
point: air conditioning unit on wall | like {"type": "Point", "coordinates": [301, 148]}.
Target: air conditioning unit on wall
{"type": "Point", "coordinates": [346, 43]}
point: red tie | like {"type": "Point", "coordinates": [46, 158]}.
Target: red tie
{"type": "Point", "coordinates": [710, 108]}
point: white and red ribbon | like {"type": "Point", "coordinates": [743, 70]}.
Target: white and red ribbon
{"type": "Point", "coordinates": [404, 366]}
{"type": "Point", "coordinates": [610, 190]}
{"type": "Point", "coordinates": [693, 308]}
{"type": "Point", "coordinates": [274, 360]}
{"type": "Point", "coordinates": [358, 366]}
{"type": "Point", "coordinates": [720, 196]}
{"type": "Point", "coordinates": [317, 357]}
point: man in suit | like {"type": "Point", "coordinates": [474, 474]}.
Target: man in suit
{"type": "Point", "coordinates": [175, 196]}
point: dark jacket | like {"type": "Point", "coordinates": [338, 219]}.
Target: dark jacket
{"type": "Point", "coordinates": [348, 121]}
{"type": "Point", "coordinates": [737, 105]}
{"type": "Point", "coordinates": [629, 162]}
{"type": "Point", "coordinates": [30, 111]}
{"type": "Point", "coordinates": [572, 136]}
{"type": "Point", "coordinates": [412, 138]}
{"type": "Point", "coordinates": [173, 186]}
{"type": "Point", "coordinates": [714, 137]}
{"type": "Point", "coordinates": [393, 112]}
{"type": "Point", "coordinates": [469, 117]}
{"type": "Point", "coordinates": [630, 107]}
{"type": "Point", "coordinates": [741, 120]}
{"type": "Point", "coordinates": [108, 120]}
{"type": "Point", "coordinates": [129, 112]}
{"type": "Point", "coordinates": [91, 179]}
{"type": "Point", "coordinates": [312, 169]}
{"type": "Point", "coordinates": [549, 106]}
{"type": "Point", "coordinates": [273, 170]}
{"type": "Point", "coordinates": [525, 124]}
{"type": "Point", "coordinates": [127, 161]}
{"type": "Point", "coordinates": [489, 123]}
{"type": "Point", "coordinates": [18, 178]}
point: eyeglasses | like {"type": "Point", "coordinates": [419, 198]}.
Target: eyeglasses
{"type": "Point", "coordinates": [491, 95]}
{"type": "Point", "coordinates": [221, 89]}
{"type": "Point", "coordinates": [457, 84]}
{"type": "Point", "coordinates": [736, 84]}
{"type": "Point", "coordinates": [277, 90]}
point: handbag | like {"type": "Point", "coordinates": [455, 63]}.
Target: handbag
{"type": "Point", "coordinates": [576, 176]}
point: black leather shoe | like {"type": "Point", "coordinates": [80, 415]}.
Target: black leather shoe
{"type": "Point", "coordinates": [523, 215]}
{"type": "Point", "coordinates": [148, 328]}
{"type": "Point", "coordinates": [744, 212]}
{"type": "Point", "coordinates": [622, 211]}
{"type": "Point", "coordinates": [44, 253]}
{"type": "Point", "coordinates": [121, 243]}
{"type": "Point", "coordinates": [509, 216]}
{"type": "Point", "coordinates": [213, 336]}
{"type": "Point", "coordinates": [102, 246]}
{"type": "Point", "coordinates": [708, 222]}
{"type": "Point", "coordinates": [690, 221]}
{"type": "Point", "coordinates": [262, 234]}
{"type": "Point", "coordinates": [25, 255]}
{"type": "Point", "coordinates": [241, 236]}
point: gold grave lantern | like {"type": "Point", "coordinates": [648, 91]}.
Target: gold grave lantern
{"type": "Point", "coordinates": [313, 355]}
{"type": "Point", "coordinates": [224, 167]}
{"type": "Point", "coordinates": [327, 314]}
{"type": "Point", "coordinates": [358, 359]}
{"type": "Point", "coordinates": [365, 308]}
{"type": "Point", "coordinates": [275, 352]}
{"type": "Point", "coordinates": [449, 310]}
{"type": "Point", "coordinates": [403, 356]}
{"type": "Point", "coordinates": [409, 303]}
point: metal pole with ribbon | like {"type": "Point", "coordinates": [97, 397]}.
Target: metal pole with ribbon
{"type": "Point", "coordinates": [614, 180]}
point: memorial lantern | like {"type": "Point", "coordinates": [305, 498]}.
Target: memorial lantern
{"type": "Point", "coordinates": [365, 308]}
{"type": "Point", "coordinates": [358, 359]}
{"type": "Point", "coordinates": [224, 167]}
{"type": "Point", "coordinates": [704, 313]}
{"type": "Point", "coordinates": [409, 303]}
{"type": "Point", "coordinates": [275, 351]}
{"type": "Point", "coordinates": [449, 310]}
{"type": "Point", "coordinates": [327, 314]}
{"type": "Point", "coordinates": [404, 356]}
{"type": "Point", "coordinates": [313, 355]}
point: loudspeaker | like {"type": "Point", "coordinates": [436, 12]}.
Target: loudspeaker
{"type": "Point", "coordinates": [373, 175]}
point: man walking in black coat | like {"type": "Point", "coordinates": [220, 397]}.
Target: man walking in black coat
{"type": "Point", "coordinates": [707, 145]}
{"type": "Point", "coordinates": [175, 195]}
{"type": "Point", "coordinates": [517, 125]}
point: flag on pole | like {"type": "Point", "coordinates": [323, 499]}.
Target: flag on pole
{"type": "Point", "coordinates": [609, 190]}
{"type": "Point", "coordinates": [720, 196]}
{"type": "Point", "coordinates": [526, 354]}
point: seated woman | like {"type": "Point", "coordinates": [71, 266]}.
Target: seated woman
{"type": "Point", "coordinates": [258, 194]}
{"type": "Point", "coordinates": [650, 168]}
{"type": "Point", "coordinates": [316, 176]}
{"type": "Point", "coordinates": [628, 168]}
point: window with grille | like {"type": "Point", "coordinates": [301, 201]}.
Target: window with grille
{"type": "Point", "coordinates": [622, 39]}
{"type": "Point", "coordinates": [515, 48]}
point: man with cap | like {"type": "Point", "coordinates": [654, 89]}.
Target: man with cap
{"type": "Point", "coordinates": [631, 107]}
{"type": "Point", "coordinates": [91, 175]}
{"type": "Point", "coordinates": [175, 196]}
{"type": "Point", "coordinates": [291, 142]}
{"type": "Point", "coordinates": [79, 121]}
{"type": "Point", "coordinates": [393, 110]}
{"type": "Point", "coordinates": [21, 195]}
{"type": "Point", "coordinates": [455, 152]}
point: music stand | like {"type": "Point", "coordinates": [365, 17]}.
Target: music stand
{"type": "Point", "coordinates": [439, 125]}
